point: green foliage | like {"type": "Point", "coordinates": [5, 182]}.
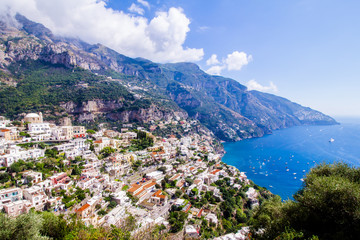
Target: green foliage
{"type": "Point", "coordinates": [178, 193]}
{"type": "Point", "coordinates": [24, 134]}
{"type": "Point", "coordinates": [76, 170]}
{"type": "Point", "coordinates": [177, 220]}
{"type": "Point", "coordinates": [136, 165]}
{"type": "Point", "coordinates": [162, 169]}
{"type": "Point", "coordinates": [107, 151]}
{"type": "Point", "coordinates": [102, 212]}
{"type": "Point", "coordinates": [42, 86]}
{"type": "Point", "coordinates": [142, 141]}
{"type": "Point", "coordinates": [53, 226]}
{"type": "Point", "coordinates": [328, 206]}
{"type": "Point", "coordinates": [90, 131]}
{"type": "Point", "coordinates": [4, 177]}
{"type": "Point", "coordinates": [51, 153]}
{"type": "Point", "coordinates": [46, 225]}
{"type": "Point", "coordinates": [25, 227]}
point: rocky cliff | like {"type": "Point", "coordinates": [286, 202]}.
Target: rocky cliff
{"type": "Point", "coordinates": [172, 90]}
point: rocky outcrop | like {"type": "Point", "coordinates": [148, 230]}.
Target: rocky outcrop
{"type": "Point", "coordinates": [91, 110]}
{"type": "Point", "coordinates": [221, 104]}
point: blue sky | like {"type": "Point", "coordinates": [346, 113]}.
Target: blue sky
{"type": "Point", "coordinates": [309, 49]}
{"type": "Point", "coordinates": [305, 50]}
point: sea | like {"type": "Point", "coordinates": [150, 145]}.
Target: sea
{"type": "Point", "coordinates": [281, 160]}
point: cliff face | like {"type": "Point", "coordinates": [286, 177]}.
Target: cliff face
{"type": "Point", "coordinates": [174, 90]}
{"type": "Point", "coordinates": [90, 110]}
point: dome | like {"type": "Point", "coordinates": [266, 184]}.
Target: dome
{"type": "Point", "coordinates": [32, 115]}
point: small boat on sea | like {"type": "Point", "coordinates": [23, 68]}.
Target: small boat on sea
{"type": "Point", "coordinates": [331, 140]}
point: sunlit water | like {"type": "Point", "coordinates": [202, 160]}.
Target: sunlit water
{"type": "Point", "coordinates": [281, 160]}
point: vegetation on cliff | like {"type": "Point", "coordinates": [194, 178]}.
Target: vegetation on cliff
{"type": "Point", "coordinates": [221, 104]}
{"type": "Point", "coordinates": [42, 86]}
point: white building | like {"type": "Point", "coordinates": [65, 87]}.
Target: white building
{"type": "Point", "coordinates": [157, 175]}
{"type": "Point", "coordinates": [3, 122]}
{"type": "Point", "coordinates": [36, 196]}
{"type": "Point", "coordinates": [15, 153]}
{"type": "Point", "coordinates": [191, 231]}
{"type": "Point", "coordinates": [10, 195]}
{"type": "Point", "coordinates": [39, 128]}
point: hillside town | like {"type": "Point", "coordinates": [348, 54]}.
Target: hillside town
{"type": "Point", "coordinates": [106, 176]}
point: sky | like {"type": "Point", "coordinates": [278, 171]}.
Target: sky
{"type": "Point", "coordinates": [305, 50]}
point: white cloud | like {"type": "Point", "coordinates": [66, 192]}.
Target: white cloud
{"type": "Point", "coordinates": [215, 70]}
{"type": "Point", "coordinates": [136, 9]}
{"type": "Point", "coordinates": [236, 60]}
{"type": "Point", "coordinates": [159, 39]}
{"type": "Point", "coordinates": [254, 85]}
{"type": "Point", "coordinates": [144, 3]}
{"type": "Point", "coordinates": [233, 62]}
{"type": "Point", "coordinates": [212, 60]}
{"type": "Point", "coordinates": [203, 28]}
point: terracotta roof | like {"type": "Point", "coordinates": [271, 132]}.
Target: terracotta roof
{"type": "Point", "coordinates": [188, 208]}
{"type": "Point", "coordinates": [174, 177]}
{"type": "Point", "coordinates": [142, 192]}
{"type": "Point", "coordinates": [215, 171]}
{"type": "Point", "coordinates": [197, 181]}
{"type": "Point", "coordinates": [83, 208]}
{"type": "Point", "coordinates": [159, 194]}
{"type": "Point", "coordinates": [149, 185]}
{"type": "Point", "coordinates": [200, 213]}
{"type": "Point", "coordinates": [134, 188]}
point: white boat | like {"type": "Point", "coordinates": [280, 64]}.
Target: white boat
{"type": "Point", "coordinates": [331, 140]}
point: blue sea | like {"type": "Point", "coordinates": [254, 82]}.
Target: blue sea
{"type": "Point", "coordinates": [281, 160]}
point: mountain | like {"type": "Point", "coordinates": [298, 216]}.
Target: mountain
{"type": "Point", "coordinates": [92, 82]}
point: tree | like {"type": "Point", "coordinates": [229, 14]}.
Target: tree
{"type": "Point", "coordinates": [24, 134]}
{"type": "Point", "coordinates": [90, 131]}
{"type": "Point", "coordinates": [29, 180]}
{"type": "Point", "coordinates": [328, 206]}
{"type": "Point", "coordinates": [194, 191]}
{"type": "Point", "coordinates": [107, 151]}
{"type": "Point", "coordinates": [4, 177]}
{"type": "Point", "coordinates": [53, 226]}
{"type": "Point", "coordinates": [178, 193]}
{"type": "Point", "coordinates": [51, 152]}
{"type": "Point", "coordinates": [25, 226]}
{"type": "Point", "coordinates": [136, 165]}
{"type": "Point", "coordinates": [76, 170]}
{"type": "Point", "coordinates": [177, 220]}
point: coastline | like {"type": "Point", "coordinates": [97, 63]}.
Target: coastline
{"type": "Point", "coordinates": [311, 147]}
